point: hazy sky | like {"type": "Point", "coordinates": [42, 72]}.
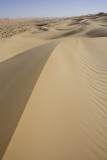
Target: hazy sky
{"type": "Point", "coordinates": [50, 8]}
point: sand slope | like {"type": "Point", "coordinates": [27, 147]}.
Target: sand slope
{"type": "Point", "coordinates": [18, 77]}
{"type": "Point", "coordinates": [53, 96]}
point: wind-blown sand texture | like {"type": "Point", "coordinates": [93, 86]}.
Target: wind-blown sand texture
{"type": "Point", "coordinates": [53, 89]}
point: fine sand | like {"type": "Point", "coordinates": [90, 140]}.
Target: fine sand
{"type": "Point", "coordinates": [53, 89]}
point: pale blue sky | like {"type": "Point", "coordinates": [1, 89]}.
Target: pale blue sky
{"type": "Point", "coordinates": [50, 8]}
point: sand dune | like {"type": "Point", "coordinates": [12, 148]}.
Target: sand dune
{"type": "Point", "coordinates": [46, 28]}
{"type": "Point", "coordinates": [53, 82]}
{"type": "Point", "coordinates": [22, 72]}
{"type": "Point", "coordinates": [98, 32]}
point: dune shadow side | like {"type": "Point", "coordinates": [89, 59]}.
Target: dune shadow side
{"type": "Point", "coordinates": [18, 76]}
{"type": "Point", "coordinates": [70, 33]}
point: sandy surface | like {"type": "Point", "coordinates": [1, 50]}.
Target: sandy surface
{"type": "Point", "coordinates": [53, 83]}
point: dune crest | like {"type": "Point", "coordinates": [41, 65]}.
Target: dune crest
{"type": "Point", "coordinates": [65, 115]}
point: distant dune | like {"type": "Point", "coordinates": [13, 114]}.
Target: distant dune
{"type": "Point", "coordinates": [53, 88]}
